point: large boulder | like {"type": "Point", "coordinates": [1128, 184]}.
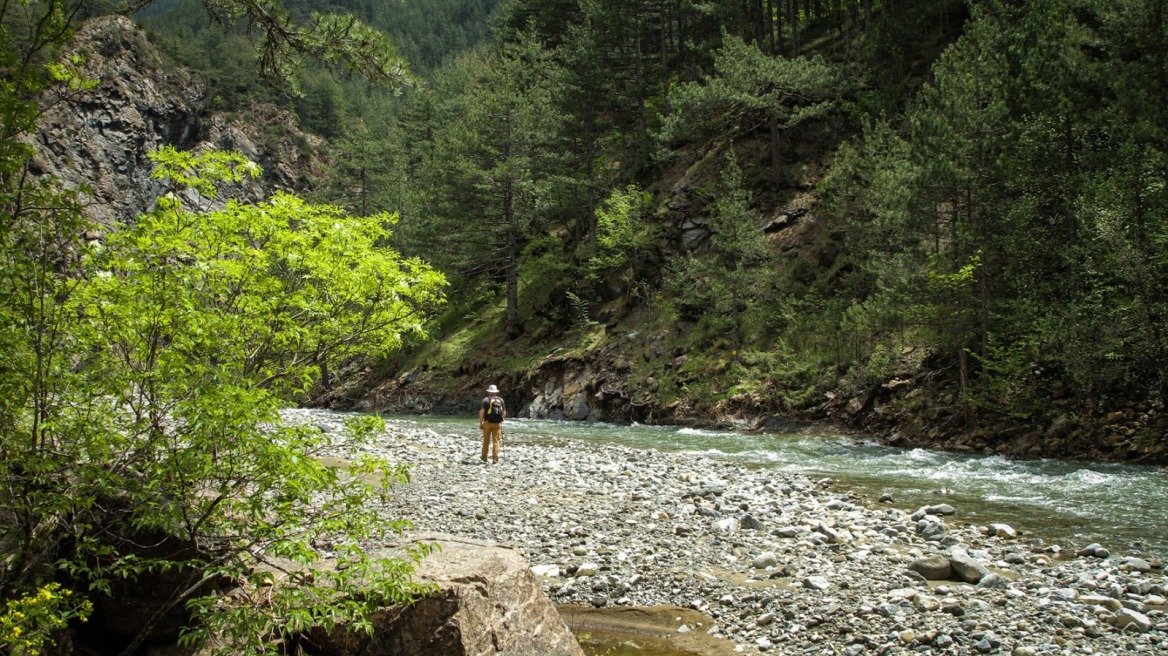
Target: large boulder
{"type": "Point", "coordinates": [966, 567]}
{"type": "Point", "coordinates": [488, 602]}
{"type": "Point", "coordinates": [933, 568]}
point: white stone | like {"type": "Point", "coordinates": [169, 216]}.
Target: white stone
{"type": "Point", "coordinates": [727, 526]}
{"type": "Point", "coordinates": [1003, 531]}
{"type": "Point", "coordinates": [816, 583]}
{"type": "Point", "coordinates": [1130, 619]}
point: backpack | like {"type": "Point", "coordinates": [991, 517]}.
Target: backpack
{"type": "Point", "coordinates": [494, 413]}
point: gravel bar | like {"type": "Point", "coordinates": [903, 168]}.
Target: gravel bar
{"type": "Point", "coordinates": [782, 563]}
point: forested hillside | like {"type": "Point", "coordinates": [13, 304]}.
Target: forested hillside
{"type": "Point", "coordinates": [937, 220]}
{"type": "Point", "coordinates": [929, 218]}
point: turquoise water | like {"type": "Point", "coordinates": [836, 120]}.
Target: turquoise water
{"type": "Point", "coordinates": [1124, 507]}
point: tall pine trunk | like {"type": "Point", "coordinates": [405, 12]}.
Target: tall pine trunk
{"type": "Point", "coordinates": [512, 247]}
{"type": "Point", "coordinates": [776, 170]}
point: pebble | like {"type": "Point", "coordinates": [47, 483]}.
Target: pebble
{"type": "Point", "coordinates": [787, 565]}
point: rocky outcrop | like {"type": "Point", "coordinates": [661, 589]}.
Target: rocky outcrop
{"type": "Point", "coordinates": [565, 394]}
{"type": "Point", "coordinates": [97, 141]}
{"type": "Point", "coordinates": [488, 602]}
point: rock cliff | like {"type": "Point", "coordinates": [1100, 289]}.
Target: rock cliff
{"type": "Point", "coordinates": [98, 140]}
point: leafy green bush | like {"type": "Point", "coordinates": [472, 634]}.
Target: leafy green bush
{"type": "Point", "coordinates": [141, 397]}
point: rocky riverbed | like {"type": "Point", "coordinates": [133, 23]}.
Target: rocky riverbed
{"type": "Point", "coordinates": [777, 563]}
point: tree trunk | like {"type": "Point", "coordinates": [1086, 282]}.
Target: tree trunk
{"type": "Point", "coordinates": [326, 382]}
{"type": "Point", "coordinates": [779, 42]}
{"type": "Point", "coordinates": [642, 115]}
{"type": "Point", "coordinates": [770, 27]}
{"type": "Point", "coordinates": [757, 8]}
{"type": "Point", "coordinates": [776, 171]}
{"type": "Point", "coordinates": [666, 24]}
{"type": "Point", "coordinates": [512, 247]}
{"type": "Point", "coordinates": [793, 19]}
{"type": "Point", "coordinates": [591, 196]}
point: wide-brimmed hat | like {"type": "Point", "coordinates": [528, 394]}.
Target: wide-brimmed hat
{"type": "Point", "coordinates": [492, 390]}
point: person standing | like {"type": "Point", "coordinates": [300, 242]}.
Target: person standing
{"type": "Point", "coordinates": [492, 412]}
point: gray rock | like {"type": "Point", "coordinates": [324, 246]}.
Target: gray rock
{"type": "Point", "coordinates": [952, 607]}
{"type": "Point", "coordinates": [1134, 564]}
{"type": "Point", "coordinates": [941, 509]}
{"type": "Point", "coordinates": [930, 529]}
{"type": "Point", "coordinates": [1003, 531]}
{"type": "Point", "coordinates": [1070, 621]}
{"type": "Point", "coordinates": [764, 560]}
{"type": "Point", "coordinates": [727, 526]}
{"type": "Point", "coordinates": [1110, 603]}
{"type": "Point", "coordinates": [932, 568]}
{"type": "Point", "coordinates": [818, 583]}
{"type": "Point", "coordinates": [1132, 604]}
{"type": "Point", "coordinates": [966, 568]}
{"type": "Point", "coordinates": [993, 581]}
{"type": "Point", "coordinates": [488, 601]}
{"type": "Point", "coordinates": [1126, 620]}
{"type": "Point", "coordinates": [749, 523]}
{"type": "Point", "coordinates": [1015, 558]}
{"type": "Point", "coordinates": [1088, 550]}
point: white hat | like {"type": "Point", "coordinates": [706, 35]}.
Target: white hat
{"type": "Point", "coordinates": [492, 390]}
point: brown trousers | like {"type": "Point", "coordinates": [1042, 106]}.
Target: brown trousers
{"type": "Point", "coordinates": [492, 437]}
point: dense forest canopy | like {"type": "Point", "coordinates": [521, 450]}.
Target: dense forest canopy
{"type": "Point", "coordinates": [988, 177]}
{"type": "Point", "coordinates": [982, 177]}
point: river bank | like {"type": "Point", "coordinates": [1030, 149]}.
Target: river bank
{"type": "Point", "coordinates": [780, 563]}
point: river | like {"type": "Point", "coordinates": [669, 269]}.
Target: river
{"type": "Point", "coordinates": [1123, 507]}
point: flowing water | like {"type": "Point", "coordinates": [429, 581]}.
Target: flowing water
{"type": "Point", "coordinates": [1123, 507]}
